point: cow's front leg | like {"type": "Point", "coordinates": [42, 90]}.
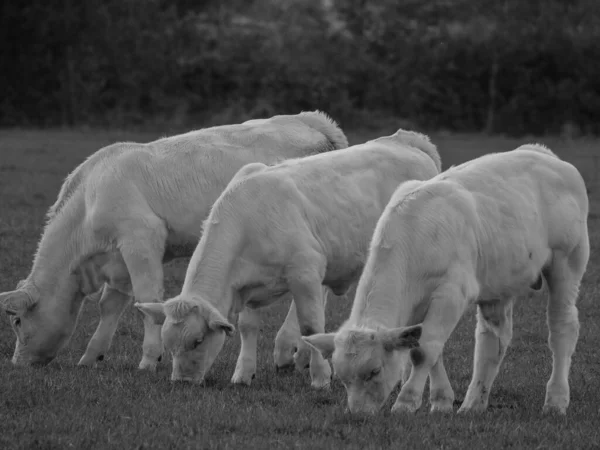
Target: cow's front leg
{"type": "Point", "coordinates": [305, 284]}
{"type": "Point", "coordinates": [441, 394]}
{"type": "Point", "coordinates": [287, 340]}
{"type": "Point", "coordinates": [303, 353]}
{"type": "Point", "coordinates": [492, 337]}
{"type": "Point", "coordinates": [245, 368]}
{"type": "Point", "coordinates": [142, 251]}
{"type": "Point", "coordinates": [112, 304]}
{"type": "Point", "coordinates": [445, 310]}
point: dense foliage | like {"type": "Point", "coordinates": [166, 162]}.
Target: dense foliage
{"type": "Point", "coordinates": [501, 66]}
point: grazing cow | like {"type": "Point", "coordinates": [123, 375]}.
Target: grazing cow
{"type": "Point", "coordinates": [288, 228]}
{"type": "Point", "coordinates": [125, 210]}
{"type": "Point", "coordinates": [485, 232]}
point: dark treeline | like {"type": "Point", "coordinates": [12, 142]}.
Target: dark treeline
{"type": "Point", "coordinates": [510, 66]}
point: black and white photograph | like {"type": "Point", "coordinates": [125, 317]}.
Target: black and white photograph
{"type": "Point", "coordinates": [300, 224]}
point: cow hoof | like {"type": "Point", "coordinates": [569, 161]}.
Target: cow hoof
{"type": "Point", "coordinates": [554, 409]}
{"type": "Point", "coordinates": [442, 407]}
{"type": "Point", "coordinates": [442, 402]}
{"type": "Point", "coordinates": [86, 361]}
{"type": "Point", "coordinates": [324, 383]}
{"type": "Point", "coordinates": [241, 378]}
{"type": "Point", "coordinates": [405, 407]}
{"type": "Point", "coordinates": [471, 409]}
{"type": "Point", "coordinates": [147, 364]}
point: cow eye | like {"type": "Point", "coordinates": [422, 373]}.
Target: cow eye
{"type": "Point", "coordinates": [196, 343]}
{"type": "Point", "coordinates": [17, 321]}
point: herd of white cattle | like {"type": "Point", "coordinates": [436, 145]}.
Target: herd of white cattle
{"type": "Point", "coordinates": [282, 208]}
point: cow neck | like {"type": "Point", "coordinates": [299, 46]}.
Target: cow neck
{"type": "Point", "coordinates": [386, 295]}
{"type": "Point", "coordinates": [209, 274]}
{"type": "Point", "coordinates": [61, 249]}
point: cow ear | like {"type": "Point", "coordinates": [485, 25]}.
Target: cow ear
{"type": "Point", "coordinates": [401, 338]}
{"type": "Point", "coordinates": [322, 342]}
{"type": "Point", "coordinates": [218, 322]}
{"type": "Point", "coordinates": [155, 311]}
{"type": "Point", "coordinates": [16, 302]}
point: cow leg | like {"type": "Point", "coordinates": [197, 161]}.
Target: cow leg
{"type": "Point", "coordinates": [492, 337]}
{"type": "Point", "coordinates": [564, 278]}
{"type": "Point", "coordinates": [287, 339]}
{"type": "Point", "coordinates": [290, 340]}
{"type": "Point", "coordinates": [245, 368]}
{"type": "Point", "coordinates": [441, 395]}
{"type": "Point", "coordinates": [142, 250]}
{"type": "Point", "coordinates": [445, 310]}
{"type": "Point", "coordinates": [305, 280]}
{"type": "Point", "coordinates": [303, 352]}
{"type": "Point", "coordinates": [289, 349]}
{"type": "Point", "coordinates": [112, 304]}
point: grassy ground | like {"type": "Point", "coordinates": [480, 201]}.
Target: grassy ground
{"type": "Point", "coordinates": [115, 406]}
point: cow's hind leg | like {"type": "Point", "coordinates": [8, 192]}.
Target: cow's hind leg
{"type": "Point", "coordinates": [112, 304]}
{"type": "Point", "coordinates": [441, 395]}
{"type": "Point", "coordinates": [245, 368]}
{"type": "Point", "coordinates": [492, 337]}
{"type": "Point", "coordinates": [564, 278]}
{"type": "Point", "coordinates": [445, 310]}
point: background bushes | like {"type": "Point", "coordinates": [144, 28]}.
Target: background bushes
{"type": "Point", "coordinates": [498, 66]}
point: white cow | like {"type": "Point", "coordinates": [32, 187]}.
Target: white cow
{"type": "Point", "coordinates": [289, 228]}
{"type": "Point", "coordinates": [484, 232]}
{"type": "Point", "coordinates": [127, 208]}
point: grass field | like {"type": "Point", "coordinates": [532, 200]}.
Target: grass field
{"type": "Point", "coordinates": [116, 406]}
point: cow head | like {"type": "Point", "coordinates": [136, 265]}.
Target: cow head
{"type": "Point", "coordinates": [193, 331]}
{"type": "Point", "coordinates": [368, 362]}
{"type": "Point", "coordinates": [42, 326]}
